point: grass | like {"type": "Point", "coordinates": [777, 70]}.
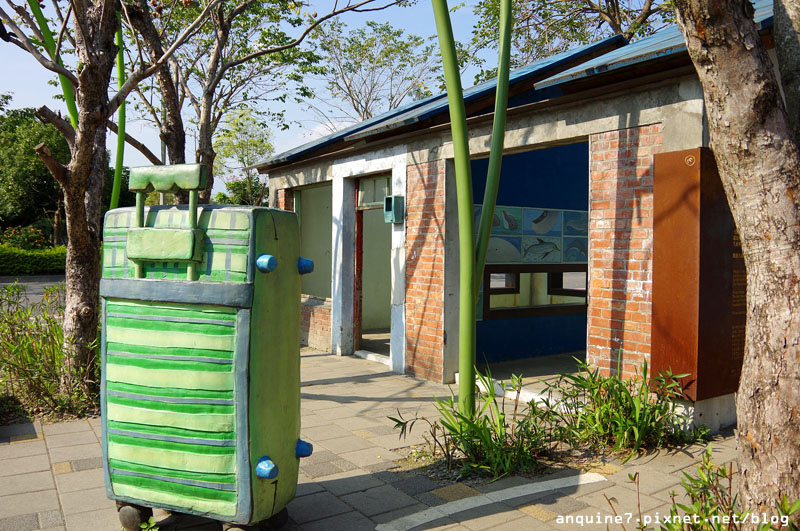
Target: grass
{"type": "Point", "coordinates": [713, 505]}
{"type": "Point", "coordinates": [32, 357]}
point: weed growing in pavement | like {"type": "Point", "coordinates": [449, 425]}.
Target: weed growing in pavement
{"type": "Point", "coordinates": [626, 415]}
{"type": "Point", "coordinates": [586, 409]}
{"type": "Point", "coordinates": [32, 355]}
{"type": "Point", "coordinates": [149, 525]}
{"type": "Point", "coordinates": [498, 439]}
{"type": "Point", "coordinates": [713, 506]}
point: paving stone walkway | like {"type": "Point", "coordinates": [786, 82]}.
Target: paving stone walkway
{"type": "Point", "coordinates": [51, 474]}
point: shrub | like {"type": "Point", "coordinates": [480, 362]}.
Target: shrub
{"type": "Point", "coordinates": [583, 409]}
{"type": "Point", "coordinates": [14, 261]}
{"type": "Point", "coordinates": [619, 413]}
{"type": "Point", "coordinates": [32, 355]}
{"type": "Point", "coordinates": [24, 238]}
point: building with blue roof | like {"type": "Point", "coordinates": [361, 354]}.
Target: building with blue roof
{"type": "Point", "coordinates": [592, 253]}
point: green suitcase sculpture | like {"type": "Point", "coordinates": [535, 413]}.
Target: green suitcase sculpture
{"type": "Point", "coordinates": [200, 347]}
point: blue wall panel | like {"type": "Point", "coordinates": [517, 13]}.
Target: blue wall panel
{"type": "Point", "coordinates": [556, 177]}
{"type": "Point", "coordinates": [525, 337]}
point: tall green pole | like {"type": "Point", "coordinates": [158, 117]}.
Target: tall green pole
{"type": "Point", "coordinates": [50, 45]}
{"type": "Point", "coordinates": [458, 126]}
{"type": "Point", "coordinates": [498, 139]}
{"type": "Point", "coordinates": [121, 124]}
{"type": "Point", "coordinates": [472, 259]}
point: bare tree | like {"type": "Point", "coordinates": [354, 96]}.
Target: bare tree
{"type": "Point", "coordinates": [757, 153]}
{"type": "Point", "coordinates": [246, 54]}
{"type": "Point", "coordinates": [369, 70]}
{"type": "Point", "coordinates": [94, 25]}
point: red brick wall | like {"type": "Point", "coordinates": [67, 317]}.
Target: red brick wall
{"type": "Point", "coordinates": [424, 305]}
{"type": "Point", "coordinates": [315, 322]}
{"type": "Point", "coordinates": [620, 245]}
{"type": "Point", "coordinates": [284, 199]}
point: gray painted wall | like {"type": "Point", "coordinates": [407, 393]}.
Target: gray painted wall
{"type": "Point", "coordinates": [376, 279]}
{"type": "Point", "coordinates": [314, 207]}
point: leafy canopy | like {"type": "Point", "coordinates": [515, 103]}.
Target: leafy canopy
{"type": "Point", "coordinates": [27, 188]}
{"type": "Point", "coordinates": [546, 27]}
{"type": "Point", "coordinates": [241, 142]}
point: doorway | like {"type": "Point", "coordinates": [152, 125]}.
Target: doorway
{"type": "Point", "coordinates": [372, 304]}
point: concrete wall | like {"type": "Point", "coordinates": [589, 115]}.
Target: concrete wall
{"type": "Point", "coordinates": [671, 110]}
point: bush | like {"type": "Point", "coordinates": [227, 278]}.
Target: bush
{"type": "Point", "coordinates": [24, 238]}
{"type": "Point", "coordinates": [14, 261]}
{"type": "Point", "coordinates": [32, 355]}
{"type": "Point", "coordinates": [622, 414]}
{"type": "Point", "coordinates": [583, 409]}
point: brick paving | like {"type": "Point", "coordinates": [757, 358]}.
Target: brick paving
{"type": "Point", "coordinates": [51, 474]}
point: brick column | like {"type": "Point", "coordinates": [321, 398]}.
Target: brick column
{"type": "Point", "coordinates": [425, 218]}
{"type": "Point", "coordinates": [284, 199]}
{"type": "Point", "coordinates": [620, 247]}
{"type": "Point", "coordinates": [315, 323]}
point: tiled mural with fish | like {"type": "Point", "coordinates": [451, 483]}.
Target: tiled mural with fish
{"type": "Point", "coordinates": [537, 236]}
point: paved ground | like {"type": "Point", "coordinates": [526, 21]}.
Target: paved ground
{"type": "Point", "coordinates": [51, 476]}
{"type": "Point", "coordinates": [34, 285]}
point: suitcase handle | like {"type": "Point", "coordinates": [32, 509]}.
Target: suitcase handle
{"type": "Point", "coordinates": [145, 179]}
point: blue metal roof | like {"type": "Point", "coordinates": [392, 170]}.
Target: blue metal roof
{"type": "Point", "coordinates": [298, 152]}
{"type": "Point", "coordinates": [439, 104]}
{"type": "Point", "coordinates": [419, 110]}
{"type": "Point", "coordinates": [665, 42]}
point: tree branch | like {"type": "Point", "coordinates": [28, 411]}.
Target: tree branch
{"type": "Point", "coordinates": [45, 115]}
{"type": "Point", "coordinates": [60, 173]}
{"type": "Point", "coordinates": [28, 46]}
{"type": "Point", "coordinates": [62, 31]}
{"type": "Point", "coordinates": [300, 39]}
{"type": "Point", "coordinates": [141, 148]}
{"type": "Point", "coordinates": [144, 73]}
{"type": "Point", "coordinates": [25, 17]}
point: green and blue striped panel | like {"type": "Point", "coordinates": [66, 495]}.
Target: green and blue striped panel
{"type": "Point", "coordinates": [170, 408]}
{"type": "Point", "coordinates": [224, 257]}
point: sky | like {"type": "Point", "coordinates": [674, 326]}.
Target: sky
{"type": "Point", "coordinates": [32, 86]}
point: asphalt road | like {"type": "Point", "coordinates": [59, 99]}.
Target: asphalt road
{"type": "Point", "coordinates": [34, 285]}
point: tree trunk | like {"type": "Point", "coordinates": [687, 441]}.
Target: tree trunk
{"type": "Point", "coordinates": [83, 180]}
{"type": "Point", "coordinates": [759, 166]}
{"type": "Point", "coordinates": [787, 46]}
{"type": "Point", "coordinates": [172, 132]}
{"type": "Point", "coordinates": [84, 230]}
{"type": "Point", "coordinates": [205, 153]}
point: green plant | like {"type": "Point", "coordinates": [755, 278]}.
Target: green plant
{"type": "Point", "coordinates": [149, 525]}
{"type": "Point", "coordinates": [32, 355]}
{"type": "Point", "coordinates": [586, 408]}
{"type": "Point", "coordinates": [14, 261]}
{"type": "Point", "coordinates": [490, 440]}
{"type": "Point", "coordinates": [714, 505]}
{"type": "Point", "coordinates": [24, 238]}
{"type": "Point", "coordinates": [624, 414]}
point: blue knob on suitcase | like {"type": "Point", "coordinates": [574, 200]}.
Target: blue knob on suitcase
{"type": "Point", "coordinates": [305, 265]}
{"type": "Point", "coordinates": [303, 448]}
{"type": "Point", "coordinates": [266, 469]}
{"type": "Point", "coordinates": [266, 263]}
